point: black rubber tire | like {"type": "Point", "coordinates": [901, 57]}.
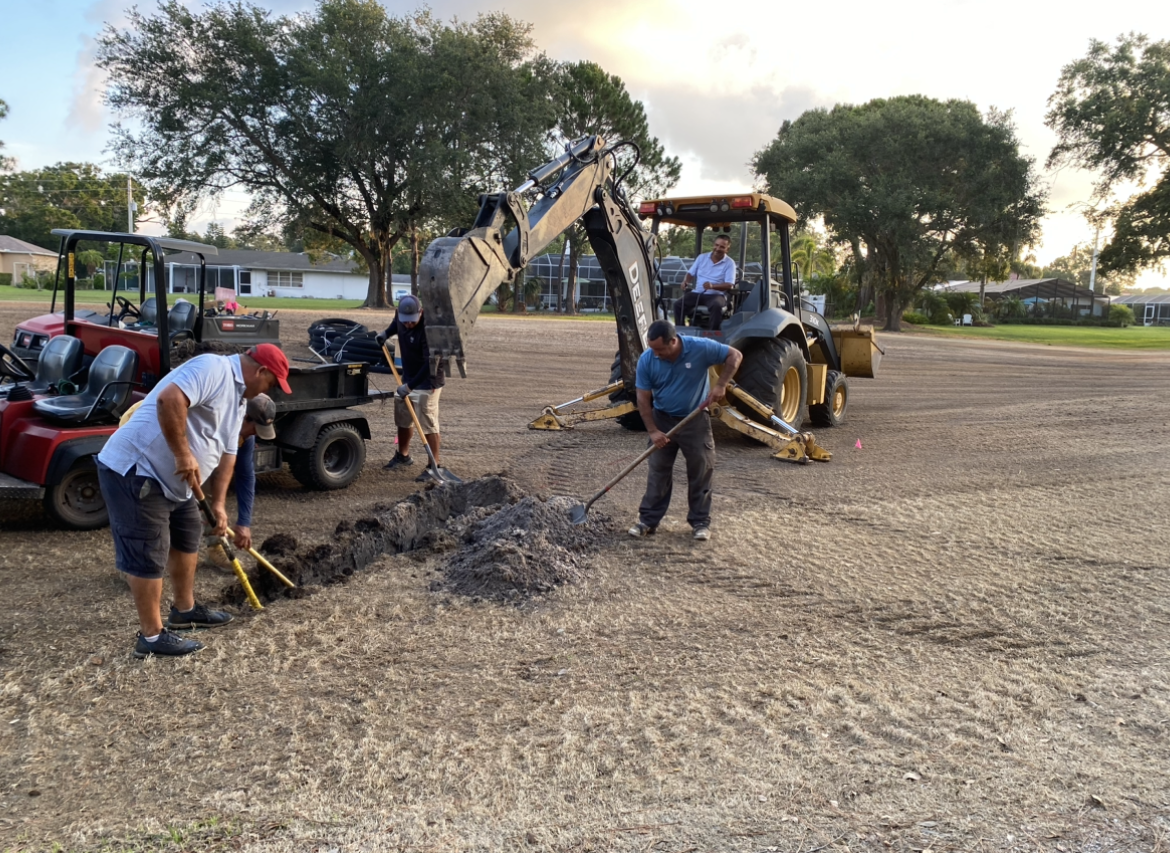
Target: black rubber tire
{"type": "Point", "coordinates": [334, 461]}
{"type": "Point", "coordinates": [76, 502]}
{"type": "Point", "coordinates": [766, 363]}
{"type": "Point", "coordinates": [630, 420]}
{"type": "Point", "coordinates": [831, 413]}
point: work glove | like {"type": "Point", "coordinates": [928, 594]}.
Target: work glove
{"type": "Point", "coordinates": [403, 390]}
{"type": "Point", "coordinates": [380, 338]}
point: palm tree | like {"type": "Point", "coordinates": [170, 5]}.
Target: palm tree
{"type": "Point", "coordinates": [814, 259]}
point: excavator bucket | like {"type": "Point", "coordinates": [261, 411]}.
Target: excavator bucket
{"type": "Point", "coordinates": [456, 277]}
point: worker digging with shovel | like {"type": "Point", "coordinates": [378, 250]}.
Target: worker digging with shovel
{"type": "Point", "coordinates": [417, 380]}
{"type": "Point", "coordinates": [673, 390]}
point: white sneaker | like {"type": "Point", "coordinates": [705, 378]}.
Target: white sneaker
{"type": "Point", "coordinates": [641, 529]}
{"type": "Point", "coordinates": [701, 534]}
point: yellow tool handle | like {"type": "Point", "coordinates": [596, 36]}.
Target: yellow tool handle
{"type": "Point", "coordinates": [248, 591]}
{"type": "Point", "coordinates": [259, 559]}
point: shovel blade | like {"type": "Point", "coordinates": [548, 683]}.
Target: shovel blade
{"type": "Point", "coordinates": [578, 514]}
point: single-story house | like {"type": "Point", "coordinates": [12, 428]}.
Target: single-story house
{"type": "Point", "coordinates": [251, 273]}
{"type": "Point", "coordinates": [1044, 297]}
{"type": "Point", "coordinates": [18, 258]}
{"type": "Point", "coordinates": [1148, 309]}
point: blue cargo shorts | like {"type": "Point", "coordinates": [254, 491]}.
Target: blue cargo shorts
{"type": "Point", "coordinates": [146, 524]}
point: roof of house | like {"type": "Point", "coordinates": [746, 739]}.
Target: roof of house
{"type": "Point", "coordinates": [11, 244]}
{"type": "Point", "coordinates": [265, 261]}
{"type": "Point", "coordinates": [1045, 288]}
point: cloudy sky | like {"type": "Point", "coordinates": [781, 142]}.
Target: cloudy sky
{"type": "Point", "coordinates": [716, 78]}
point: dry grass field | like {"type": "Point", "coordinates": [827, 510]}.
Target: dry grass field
{"type": "Point", "coordinates": [953, 638]}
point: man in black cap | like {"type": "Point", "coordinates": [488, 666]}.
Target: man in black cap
{"type": "Point", "coordinates": [410, 327]}
{"type": "Point", "coordinates": [259, 417]}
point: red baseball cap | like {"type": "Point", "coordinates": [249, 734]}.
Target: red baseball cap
{"type": "Point", "coordinates": [270, 356]}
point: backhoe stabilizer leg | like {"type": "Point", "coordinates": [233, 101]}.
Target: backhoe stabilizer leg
{"type": "Point", "coordinates": [553, 418]}
{"type": "Point", "coordinates": [799, 448]}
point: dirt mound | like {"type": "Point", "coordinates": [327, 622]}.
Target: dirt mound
{"type": "Point", "coordinates": [279, 545]}
{"type": "Point", "coordinates": [526, 548]}
{"type": "Point", "coordinates": [503, 545]}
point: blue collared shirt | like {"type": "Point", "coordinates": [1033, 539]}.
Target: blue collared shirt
{"type": "Point", "coordinates": [680, 386]}
{"type": "Point", "coordinates": [214, 386]}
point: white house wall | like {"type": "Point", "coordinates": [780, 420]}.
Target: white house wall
{"type": "Point", "coordinates": [317, 285]}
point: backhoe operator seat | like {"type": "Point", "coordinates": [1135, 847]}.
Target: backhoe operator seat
{"type": "Point", "coordinates": [106, 394]}
{"type": "Point", "coordinates": [61, 358]}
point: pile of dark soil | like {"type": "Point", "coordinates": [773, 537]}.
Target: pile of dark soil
{"type": "Point", "coordinates": [503, 545]}
{"type": "Point", "coordinates": [526, 548]}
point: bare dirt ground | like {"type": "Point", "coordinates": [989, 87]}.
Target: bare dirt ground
{"type": "Point", "coordinates": [953, 638]}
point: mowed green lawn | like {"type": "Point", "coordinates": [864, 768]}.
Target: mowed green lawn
{"type": "Point", "coordinates": [256, 303]}
{"type": "Point", "coordinates": [102, 297]}
{"type": "Point", "coordinates": [1134, 337]}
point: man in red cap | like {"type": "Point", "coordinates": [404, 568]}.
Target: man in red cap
{"type": "Point", "coordinates": [271, 357]}
{"type": "Point", "coordinates": [186, 432]}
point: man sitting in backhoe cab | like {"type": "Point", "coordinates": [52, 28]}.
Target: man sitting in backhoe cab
{"type": "Point", "coordinates": [713, 273]}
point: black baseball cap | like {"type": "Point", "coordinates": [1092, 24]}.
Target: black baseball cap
{"type": "Point", "coordinates": [262, 412]}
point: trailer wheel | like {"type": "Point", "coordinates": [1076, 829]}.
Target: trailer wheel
{"type": "Point", "coordinates": [630, 420]}
{"type": "Point", "coordinates": [76, 502]}
{"type": "Point", "coordinates": [773, 371]}
{"type": "Point", "coordinates": [334, 461]}
{"type": "Point", "coordinates": [831, 413]}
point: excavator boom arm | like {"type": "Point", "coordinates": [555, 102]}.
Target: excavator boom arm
{"type": "Point", "coordinates": [458, 273]}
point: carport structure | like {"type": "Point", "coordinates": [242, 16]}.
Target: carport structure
{"type": "Point", "coordinates": [1043, 296]}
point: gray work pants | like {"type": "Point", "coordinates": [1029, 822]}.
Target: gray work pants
{"type": "Point", "coordinates": [698, 449]}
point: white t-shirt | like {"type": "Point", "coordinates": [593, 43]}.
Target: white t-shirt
{"type": "Point", "coordinates": [214, 386]}
{"type": "Point", "coordinates": [704, 271]}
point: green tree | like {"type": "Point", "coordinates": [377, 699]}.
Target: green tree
{"type": "Point", "coordinates": [906, 182]}
{"type": "Point", "coordinates": [1111, 112]}
{"type": "Point", "coordinates": [348, 121]}
{"type": "Point", "coordinates": [68, 195]}
{"type": "Point", "coordinates": [590, 101]}
{"type": "Point", "coordinates": [815, 260]}
{"type": "Point", "coordinates": [5, 162]}
{"type": "Point", "coordinates": [1077, 267]}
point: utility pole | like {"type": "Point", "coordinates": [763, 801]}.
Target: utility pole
{"type": "Point", "coordinates": [131, 207]}
{"type": "Point", "coordinates": [1093, 268]}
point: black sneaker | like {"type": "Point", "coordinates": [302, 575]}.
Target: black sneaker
{"type": "Point", "coordinates": [199, 616]}
{"type": "Point", "coordinates": [399, 461]}
{"type": "Point", "coordinates": [167, 645]}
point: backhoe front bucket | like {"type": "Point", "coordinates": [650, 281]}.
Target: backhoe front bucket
{"type": "Point", "coordinates": [860, 353]}
{"type": "Point", "coordinates": [456, 277]}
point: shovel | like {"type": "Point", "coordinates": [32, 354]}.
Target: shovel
{"type": "Point", "coordinates": [227, 549]}
{"type": "Point", "coordinates": [578, 514]}
{"type": "Point", "coordinates": [439, 475]}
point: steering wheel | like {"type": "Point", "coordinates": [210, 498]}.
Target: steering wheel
{"type": "Point", "coordinates": [14, 367]}
{"type": "Point", "coordinates": [127, 308]}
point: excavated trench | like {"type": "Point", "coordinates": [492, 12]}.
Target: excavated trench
{"type": "Point", "coordinates": [489, 541]}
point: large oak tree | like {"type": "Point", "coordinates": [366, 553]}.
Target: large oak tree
{"type": "Point", "coordinates": [907, 182]}
{"type": "Point", "coordinates": [345, 120]}
{"type": "Point", "coordinates": [1111, 111]}
{"type": "Point", "coordinates": [67, 195]}
{"type": "Point", "coordinates": [588, 100]}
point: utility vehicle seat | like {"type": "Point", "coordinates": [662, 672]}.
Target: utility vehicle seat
{"type": "Point", "coordinates": [61, 358]}
{"type": "Point", "coordinates": [147, 317]}
{"type": "Point", "coordinates": [105, 396]}
{"type": "Point", "coordinates": [181, 320]}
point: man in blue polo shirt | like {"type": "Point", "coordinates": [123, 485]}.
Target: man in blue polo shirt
{"type": "Point", "coordinates": [714, 274]}
{"type": "Point", "coordinates": [672, 382]}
